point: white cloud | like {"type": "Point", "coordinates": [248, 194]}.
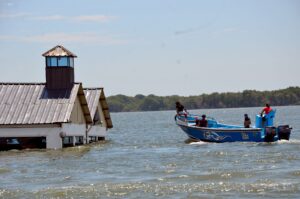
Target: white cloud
{"type": "Point", "coordinates": [228, 31]}
{"type": "Point", "coordinates": [10, 4]}
{"type": "Point", "coordinates": [7, 38]}
{"type": "Point", "coordinates": [13, 15]}
{"type": "Point", "coordinates": [232, 29]}
{"type": "Point", "coordinates": [50, 18]}
{"type": "Point", "coordinates": [93, 18]}
{"type": "Point", "coordinates": [81, 18]}
{"type": "Point", "coordinates": [87, 37]}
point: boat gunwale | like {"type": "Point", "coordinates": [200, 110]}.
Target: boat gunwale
{"type": "Point", "coordinates": [233, 130]}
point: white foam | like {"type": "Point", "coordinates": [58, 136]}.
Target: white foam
{"type": "Point", "coordinates": [291, 141]}
{"type": "Point", "coordinates": [198, 143]}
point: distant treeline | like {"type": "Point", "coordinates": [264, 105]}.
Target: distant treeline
{"type": "Point", "coordinates": [247, 98]}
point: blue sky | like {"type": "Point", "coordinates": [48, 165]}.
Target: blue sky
{"type": "Point", "coordinates": [161, 47]}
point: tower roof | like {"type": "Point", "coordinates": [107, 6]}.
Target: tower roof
{"type": "Point", "coordinates": [59, 51]}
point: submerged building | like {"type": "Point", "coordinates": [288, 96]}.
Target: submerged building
{"type": "Point", "coordinates": [54, 114]}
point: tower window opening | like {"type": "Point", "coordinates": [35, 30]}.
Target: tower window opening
{"type": "Point", "coordinates": [60, 62]}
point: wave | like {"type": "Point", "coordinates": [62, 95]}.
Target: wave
{"type": "Point", "coordinates": [4, 170]}
{"type": "Point", "coordinates": [185, 189]}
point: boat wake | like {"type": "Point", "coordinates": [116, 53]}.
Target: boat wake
{"type": "Point", "coordinates": [291, 141]}
{"type": "Point", "coordinates": [198, 143]}
{"type": "Point", "coordinates": [194, 141]}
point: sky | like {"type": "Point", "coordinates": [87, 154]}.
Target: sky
{"type": "Point", "coordinates": [160, 47]}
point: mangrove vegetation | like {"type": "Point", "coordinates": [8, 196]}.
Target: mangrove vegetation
{"type": "Point", "coordinates": [247, 98]}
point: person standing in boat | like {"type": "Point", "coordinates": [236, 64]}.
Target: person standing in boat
{"type": "Point", "coordinates": [180, 109]}
{"type": "Point", "coordinates": [247, 121]}
{"type": "Point", "coordinates": [266, 110]}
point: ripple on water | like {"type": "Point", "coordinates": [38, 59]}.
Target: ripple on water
{"type": "Point", "coordinates": [160, 189]}
{"type": "Point", "coordinates": [4, 170]}
{"type": "Point", "coordinates": [147, 156]}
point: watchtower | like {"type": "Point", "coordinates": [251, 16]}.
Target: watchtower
{"type": "Point", "coordinates": [59, 68]}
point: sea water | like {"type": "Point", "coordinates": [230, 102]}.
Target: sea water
{"type": "Point", "coordinates": [147, 156]}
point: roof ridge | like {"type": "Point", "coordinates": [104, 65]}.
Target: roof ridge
{"type": "Point", "coordinates": [22, 83]}
{"type": "Point", "coordinates": [93, 88]}
{"type": "Point", "coordinates": [28, 83]}
{"type": "Point", "coordinates": [57, 48]}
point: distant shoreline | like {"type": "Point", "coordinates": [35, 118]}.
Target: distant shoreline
{"type": "Point", "coordinates": [247, 98]}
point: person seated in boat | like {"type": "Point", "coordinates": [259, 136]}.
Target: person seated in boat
{"type": "Point", "coordinates": [180, 109]}
{"type": "Point", "coordinates": [197, 121]}
{"type": "Point", "coordinates": [247, 121]}
{"type": "Point", "coordinates": [203, 122]}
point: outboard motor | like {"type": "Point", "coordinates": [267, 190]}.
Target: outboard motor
{"type": "Point", "coordinates": [284, 132]}
{"type": "Point", "coordinates": [270, 132]}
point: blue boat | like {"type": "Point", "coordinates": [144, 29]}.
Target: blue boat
{"type": "Point", "coordinates": [263, 131]}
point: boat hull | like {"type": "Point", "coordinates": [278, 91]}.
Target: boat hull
{"type": "Point", "coordinates": [226, 135]}
{"type": "Point", "coordinates": [218, 132]}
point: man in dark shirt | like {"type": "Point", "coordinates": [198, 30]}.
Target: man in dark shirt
{"type": "Point", "coordinates": [180, 108]}
{"type": "Point", "coordinates": [247, 121]}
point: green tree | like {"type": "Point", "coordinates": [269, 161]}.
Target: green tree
{"type": "Point", "coordinates": [247, 98]}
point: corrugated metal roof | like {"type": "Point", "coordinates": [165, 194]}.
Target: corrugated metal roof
{"type": "Point", "coordinates": [59, 51]}
{"type": "Point", "coordinates": [93, 96]}
{"type": "Point", "coordinates": [32, 103]}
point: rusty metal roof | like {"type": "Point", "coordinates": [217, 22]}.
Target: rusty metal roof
{"type": "Point", "coordinates": [94, 96]}
{"type": "Point", "coordinates": [32, 103]}
{"type": "Point", "coordinates": [59, 51]}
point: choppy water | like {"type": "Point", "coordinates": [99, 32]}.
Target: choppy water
{"type": "Point", "coordinates": [146, 156]}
